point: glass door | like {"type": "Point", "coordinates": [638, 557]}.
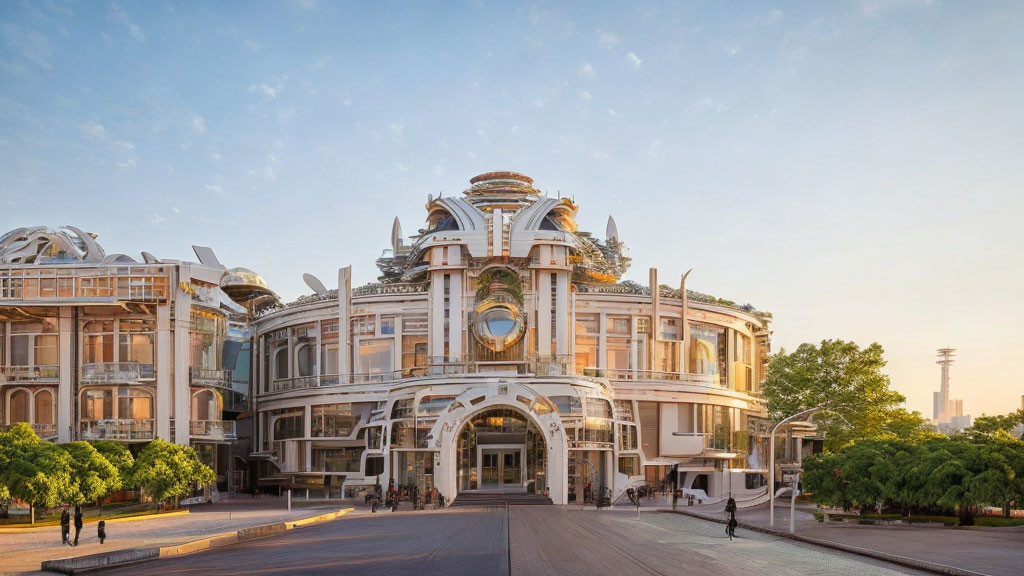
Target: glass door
{"type": "Point", "coordinates": [510, 475]}
{"type": "Point", "coordinates": [490, 473]}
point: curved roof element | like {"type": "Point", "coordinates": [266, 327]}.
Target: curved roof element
{"type": "Point", "coordinates": [43, 245]}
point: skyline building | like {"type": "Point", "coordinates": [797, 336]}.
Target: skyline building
{"type": "Point", "coordinates": [947, 413]}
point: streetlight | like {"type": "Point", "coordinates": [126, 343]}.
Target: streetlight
{"type": "Point", "coordinates": [771, 469]}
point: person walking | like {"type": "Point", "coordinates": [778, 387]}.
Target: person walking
{"type": "Point", "coordinates": [65, 527]}
{"type": "Point", "coordinates": [730, 509]}
{"type": "Point", "coordinates": [101, 530]}
{"type": "Point", "coordinates": [78, 522]}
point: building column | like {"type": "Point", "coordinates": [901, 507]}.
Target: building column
{"type": "Point", "coordinates": [66, 421]}
{"type": "Point", "coordinates": [182, 326]}
{"type": "Point", "coordinates": [164, 363]}
{"type": "Point", "coordinates": [602, 341]}
{"type": "Point", "coordinates": [435, 316]}
{"type": "Point", "coordinates": [455, 296]}
{"type": "Point", "coordinates": [543, 313]}
{"type": "Point", "coordinates": [562, 347]}
{"type": "Point", "coordinates": [344, 324]}
{"type": "Point", "coordinates": [307, 419]}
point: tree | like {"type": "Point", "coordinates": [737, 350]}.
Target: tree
{"type": "Point", "coordinates": [991, 425]}
{"type": "Point", "coordinates": [92, 475]}
{"type": "Point", "coordinates": [850, 381]}
{"type": "Point", "coordinates": [5, 501]}
{"type": "Point", "coordinates": [168, 471]}
{"type": "Point", "coordinates": [35, 471]}
{"type": "Point", "coordinates": [117, 454]}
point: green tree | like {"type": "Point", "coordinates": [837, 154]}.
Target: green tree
{"type": "Point", "coordinates": [168, 471]}
{"type": "Point", "coordinates": [91, 473]}
{"type": "Point", "coordinates": [991, 425]}
{"type": "Point", "coordinates": [35, 471]}
{"type": "Point", "coordinates": [5, 501]}
{"type": "Point", "coordinates": [850, 381]}
{"type": "Point", "coordinates": [117, 454]}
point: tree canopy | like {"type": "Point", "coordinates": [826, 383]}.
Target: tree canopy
{"type": "Point", "coordinates": [33, 470]}
{"type": "Point", "coordinates": [168, 471]}
{"type": "Point", "coordinates": [92, 475]}
{"type": "Point", "coordinates": [117, 454]}
{"type": "Point", "coordinates": [850, 381]}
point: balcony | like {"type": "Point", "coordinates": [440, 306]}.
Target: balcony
{"type": "Point", "coordinates": [683, 444]}
{"type": "Point", "coordinates": [44, 431]}
{"type": "Point", "coordinates": [130, 429]}
{"type": "Point", "coordinates": [648, 375]}
{"type": "Point", "coordinates": [204, 377]}
{"type": "Point", "coordinates": [115, 372]}
{"type": "Point", "coordinates": [212, 430]}
{"type": "Point", "coordinates": [557, 365]}
{"type": "Point", "coordinates": [29, 374]}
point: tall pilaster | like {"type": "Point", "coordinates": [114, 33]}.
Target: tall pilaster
{"type": "Point", "coordinates": [65, 390]}
{"type": "Point", "coordinates": [182, 327]}
{"type": "Point", "coordinates": [344, 324]}
{"type": "Point", "coordinates": [164, 363]}
{"type": "Point", "coordinates": [543, 313]}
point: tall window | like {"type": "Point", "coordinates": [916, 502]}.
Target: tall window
{"type": "Point", "coordinates": [376, 356]}
{"type": "Point", "coordinates": [587, 333]}
{"type": "Point", "coordinates": [281, 363]}
{"type": "Point", "coordinates": [18, 407]}
{"type": "Point", "coordinates": [97, 404]}
{"type": "Point", "coordinates": [134, 403]}
{"type": "Point", "coordinates": [708, 350]}
{"type": "Point", "coordinates": [649, 429]}
{"type": "Point", "coordinates": [305, 360]}
{"type": "Point", "coordinates": [44, 407]}
{"type": "Point", "coordinates": [98, 341]}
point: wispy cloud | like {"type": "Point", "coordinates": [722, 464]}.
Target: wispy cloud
{"type": "Point", "coordinates": [608, 39]}
{"type": "Point", "coordinates": [119, 16]}
{"type": "Point", "coordinates": [269, 91]}
{"type": "Point", "coordinates": [94, 130]}
{"type": "Point", "coordinates": [29, 45]}
{"type": "Point", "coordinates": [635, 60]}
{"type": "Point", "coordinates": [198, 124]}
{"type": "Point", "coordinates": [213, 188]}
{"type": "Point", "coordinates": [396, 132]}
{"type": "Point", "coordinates": [587, 71]}
{"type": "Point", "coordinates": [584, 95]}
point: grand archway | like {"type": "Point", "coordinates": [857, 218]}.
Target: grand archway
{"type": "Point", "coordinates": [501, 449]}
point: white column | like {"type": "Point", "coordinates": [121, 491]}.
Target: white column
{"type": "Point", "coordinates": [308, 432]}
{"type": "Point", "coordinates": [562, 346]}
{"type": "Point", "coordinates": [730, 354]}
{"type": "Point", "coordinates": [164, 362]}
{"type": "Point", "coordinates": [65, 393]}
{"type": "Point", "coordinates": [543, 313]}
{"type": "Point", "coordinates": [655, 315]}
{"type": "Point", "coordinates": [602, 341]}
{"type": "Point", "coordinates": [455, 316]}
{"type": "Point", "coordinates": [436, 316]}
{"type": "Point", "coordinates": [182, 323]}
{"type": "Point", "coordinates": [344, 324]}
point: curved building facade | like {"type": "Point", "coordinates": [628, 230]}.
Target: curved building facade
{"type": "Point", "coordinates": [500, 351]}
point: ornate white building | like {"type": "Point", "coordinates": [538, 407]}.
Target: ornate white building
{"type": "Point", "coordinates": [500, 352]}
{"type": "Point", "coordinates": [104, 347]}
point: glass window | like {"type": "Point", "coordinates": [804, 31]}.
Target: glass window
{"type": "Point", "coordinates": [305, 360]}
{"type": "Point", "coordinates": [598, 408]}
{"type": "Point", "coordinates": [402, 408]}
{"type": "Point", "coordinates": [204, 406]}
{"type": "Point", "coordinates": [433, 405]}
{"type": "Point", "coordinates": [617, 358]}
{"type": "Point", "coordinates": [649, 429]}
{"type": "Point", "coordinates": [336, 459]}
{"type": "Point", "coordinates": [567, 404]}
{"type": "Point", "coordinates": [18, 408]}
{"type": "Point", "coordinates": [288, 427]}
{"type": "Point", "coordinates": [707, 349]}
{"type": "Point", "coordinates": [47, 351]}
{"type": "Point", "coordinates": [376, 356]}
{"type": "Point", "coordinates": [132, 403]}
{"type": "Point", "coordinates": [281, 363]}
{"type": "Point", "coordinates": [98, 348]}
{"type": "Point", "coordinates": [670, 328]}
{"type": "Point", "coordinates": [624, 410]}
{"type": "Point", "coordinates": [387, 325]}
{"type": "Point", "coordinates": [627, 437]}
{"type": "Point", "coordinates": [586, 353]}
{"type": "Point", "coordinates": [19, 349]}
{"type": "Point", "coordinates": [333, 420]}
{"type": "Point", "coordinates": [588, 324]}
{"type": "Point", "coordinates": [44, 407]}
{"type": "Point", "coordinates": [617, 325]}
{"type": "Point", "coordinates": [414, 351]}
{"type": "Point", "coordinates": [97, 404]}
{"type": "Point", "coordinates": [629, 465]}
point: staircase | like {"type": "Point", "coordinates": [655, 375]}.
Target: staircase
{"type": "Point", "coordinates": [468, 499]}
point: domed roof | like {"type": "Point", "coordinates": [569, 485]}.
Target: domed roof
{"type": "Point", "coordinates": [242, 277]}
{"type": "Point", "coordinates": [248, 289]}
{"type": "Point", "coordinates": [502, 185]}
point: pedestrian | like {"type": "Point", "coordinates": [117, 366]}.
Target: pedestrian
{"type": "Point", "coordinates": [588, 493]}
{"type": "Point", "coordinates": [78, 522]}
{"type": "Point", "coordinates": [731, 529]}
{"type": "Point", "coordinates": [65, 527]}
{"type": "Point", "coordinates": [101, 530]}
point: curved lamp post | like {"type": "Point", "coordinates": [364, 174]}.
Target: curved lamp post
{"type": "Point", "coordinates": [771, 469]}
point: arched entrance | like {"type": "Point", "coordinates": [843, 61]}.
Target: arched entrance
{"type": "Point", "coordinates": [501, 449]}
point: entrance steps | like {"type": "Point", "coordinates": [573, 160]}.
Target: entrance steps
{"type": "Point", "coordinates": [467, 499]}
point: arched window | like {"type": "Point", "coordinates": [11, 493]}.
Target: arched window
{"type": "Point", "coordinates": [44, 407]}
{"type": "Point", "coordinates": [204, 406]}
{"type": "Point", "coordinates": [281, 363]}
{"type": "Point", "coordinates": [18, 407]}
{"type": "Point", "coordinates": [305, 360]}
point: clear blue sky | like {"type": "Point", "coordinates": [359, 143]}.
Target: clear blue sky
{"type": "Point", "coordinates": [853, 167]}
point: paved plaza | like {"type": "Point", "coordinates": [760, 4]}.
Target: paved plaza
{"type": "Point", "coordinates": [545, 540]}
{"type": "Point", "coordinates": [22, 553]}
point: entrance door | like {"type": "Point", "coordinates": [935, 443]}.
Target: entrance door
{"type": "Point", "coordinates": [501, 469]}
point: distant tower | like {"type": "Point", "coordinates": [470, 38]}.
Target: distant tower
{"type": "Point", "coordinates": [941, 398]}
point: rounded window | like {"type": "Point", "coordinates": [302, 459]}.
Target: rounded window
{"type": "Point", "coordinates": [498, 327]}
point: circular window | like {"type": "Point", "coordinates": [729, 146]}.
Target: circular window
{"type": "Point", "coordinates": [498, 327]}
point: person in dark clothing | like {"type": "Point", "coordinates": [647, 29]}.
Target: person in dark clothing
{"type": "Point", "coordinates": [730, 508]}
{"type": "Point", "coordinates": [65, 527]}
{"type": "Point", "coordinates": [588, 493]}
{"type": "Point", "coordinates": [415, 497]}
{"type": "Point", "coordinates": [78, 522]}
{"type": "Point", "coordinates": [101, 530]}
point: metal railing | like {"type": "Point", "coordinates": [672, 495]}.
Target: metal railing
{"type": "Point", "coordinates": [205, 377]}
{"type": "Point", "coordinates": [118, 429]}
{"type": "Point", "coordinates": [628, 374]}
{"type": "Point", "coordinates": [139, 283]}
{"type": "Point", "coordinates": [10, 374]}
{"type": "Point", "coordinates": [44, 431]}
{"type": "Point", "coordinates": [115, 372]}
{"type": "Point", "coordinates": [555, 365]}
{"type": "Point", "coordinates": [213, 429]}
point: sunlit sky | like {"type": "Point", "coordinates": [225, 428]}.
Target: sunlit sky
{"type": "Point", "coordinates": [853, 167]}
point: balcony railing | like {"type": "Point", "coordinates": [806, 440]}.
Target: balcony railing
{"type": "Point", "coordinates": [213, 429]}
{"type": "Point", "coordinates": [115, 372]}
{"type": "Point", "coordinates": [29, 374]}
{"type": "Point", "coordinates": [121, 429]}
{"type": "Point", "coordinates": [557, 365]}
{"type": "Point", "coordinates": [205, 377]}
{"type": "Point", "coordinates": [139, 283]}
{"type": "Point", "coordinates": [44, 431]}
{"type": "Point", "coordinates": [627, 374]}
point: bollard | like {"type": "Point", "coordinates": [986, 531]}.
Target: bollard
{"type": "Point", "coordinates": [289, 499]}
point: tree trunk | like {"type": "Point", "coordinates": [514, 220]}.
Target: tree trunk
{"type": "Point", "coordinates": [32, 513]}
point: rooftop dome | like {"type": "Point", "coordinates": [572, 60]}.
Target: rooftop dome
{"type": "Point", "coordinates": [508, 185]}
{"type": "Point", "coordinates": [248, 289]}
